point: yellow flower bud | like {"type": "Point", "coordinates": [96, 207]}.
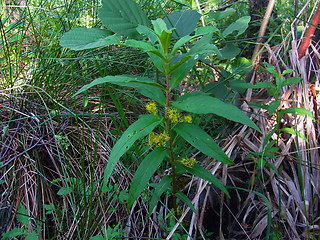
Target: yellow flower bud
{"type": "Point", "coordinates": [188, 162]}
{"type": "Point", "coordinates": [151, 107]}
{"type": "Point", "coordinates": [173, 115]}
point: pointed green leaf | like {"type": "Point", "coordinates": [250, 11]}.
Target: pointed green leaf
{"type": "Point", "coordinates": [180, 43]}
{"type": "Point", "coordinates": [183, 2]}
{"type": "Point", "coordinates": [291, 80]}
{"type": "Point", "coordinates": [272, 107]}
{"type": "Point", "coordinates": [294, 133]}
{"type": "Point", "coordinates": [22, 215]}
{"type": "Point", "coordinates": [178, 64]}
{"type": "Point", "coordinates": [87, 38]}
{"type": "Point", "coordinates": [184, 22]}
{"type": "Point", "coordinates": [144, 172]}
{"type": "Point", "coordinates": [258, 85]}
{"type": "Point", "coordinates": [240, 25]}
{"type": "Point", "coordinates": [158, 62]}
{"type": "Point", "coordinates": [65, 191]}
{"type": "Point", "coordinates": [148, 32]}
{"type": "Point", "coordinates": [186, 200]}
{"type": "Point", "coordinates": [204, 174]}
{"type": "Point", "coordinates": [160, 26]}
{"type": "Point", "coordinates": [206, 30]}
{"type": "Point", "coordinates": [143, 85]}
{"type": "Point", "coordinates": [201, 103]}
{"type": "Point", "coordinates": [32, 236]}
{"type": "Point", "coordinates": [165, 39]}
{"type": "Point", "coordinates": [139, 129]}
{"type": "Point", "coordinates": [122, 16]}
{"type": "Point", "coordinates": [199, 139]}
{"type": "Point", "coordinates": [143, 46]}
{"type": "Point", "coordinates": [297, 111]}
{"type": "Point", "coordinates": [98, 237]}
{"type": "Point", "coordinates": [204, 46]}
{"type": "Point", "coordinates": [160, 188]}
{"type": "Point", "coordinates": [182, 71]}
{"type": "Point", "coordinates": [229, 51]}
{"type": "Point", "coordinates": [219, 15]}
{"type": "Point", "coordinates": [12, 234]}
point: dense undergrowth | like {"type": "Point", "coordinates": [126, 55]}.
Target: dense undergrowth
{"type": "Point", "coordinates": [55, 146]}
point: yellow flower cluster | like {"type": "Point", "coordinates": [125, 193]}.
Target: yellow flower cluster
{"type": "Point", "coordinates": [187, 119]}
{"type": "Point", "coordinates": [176, 117]}
{"type": "Point", "coordinates": [158, 139]}
{"type": "Point", "coordinates": [188, 162]}
{"type": "Point", "coordinates": [152, 108]}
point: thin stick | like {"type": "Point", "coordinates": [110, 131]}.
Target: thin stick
{"type": "Point", "coordinates": [262, 31]}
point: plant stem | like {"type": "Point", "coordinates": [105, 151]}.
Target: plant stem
{"type": "Point", "coordinates": [168, 130]}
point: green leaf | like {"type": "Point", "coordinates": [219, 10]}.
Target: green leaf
{"type": "Point", "coordinates": [122, 17]}
{"type": "Point", "coordinates": [201, 103]}
{"type": "Point", "coordinates": [183, 2]}
{"type": "Point", "coordinates": [292, 80]}
{"type": "Point", "coordinates": [218, 16]}
{"type": "Point", "coordinates": [98, 237]}
{"type": "Point", "coordinates": [240, 25]}
{"type": "Point", "coordinates": [158, 62]}
{"type": "Point", "coordinates": [87, 38]}
{"type": "Point", "coordinates": [186, 200]}
{"type": "Point", "coordinates": [273, 106]}
{"type": "Point", "coordinates": [241, 66]}
{"type": "Point", "coordinates": [268, 136]}
{"type": "Point", "coordinates": [203, 46]}
{"type": "Point", "coordinates": [13, 233]}
{"type": "Point", "coordinates": [144, 172]}
{"type": "Point", "coordinates": [148, 32]}
{"type": "Point", "coordinates": [182, 71]}
{"type": "Point", "coordinates": [294, 133]}
{"type": "Point", "coordinates": [180, 43]}
{"type": "Point", "coordinates": [297, 111]}
{"type": "Point", "coordinates": [123, 196]}
{"type": "Point", "coordinates": [184, 22]}
{"type": "Point", "coordinates": [164, 35]}
{"type": "Point", "coordinates": [143, 85]}
{"type": "Point", "coordinates": [261, 162]}
{"type": "Point", "coordinates": [206, 30]}
{"type": "Point", "coordinates": [22, 215]}
{"type": "Point", "coordinates": [178, 64]}
{"type": "Point", "coordinates": [160, 26]}
{"type": "Point", "coordinates": [65, 191]}
{"type": "Point", "coordinates": [160, 188]}
{"type": "Point", "coordinates": [143, 46]}
{"type": "Point", "coordinates": [32, 236]}
{"type": "Point", "coordinates": [271, 69]}
{"type": "Point", "coordinates": [141, 128]}
{"type": "Point", "coordinates": [204, 174]}
{"type": "Point", "coordinates": [258, 85]}
{"type": "Point", "coordinates": [199, 139]}
{"type": "Point", "coordinates": [165, 39]}
{"type": "Point", "coordinates": [229, 51]}
{"type": "Point", "coordinates": [49, 208]}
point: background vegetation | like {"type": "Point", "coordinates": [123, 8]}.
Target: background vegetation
{"type": "Point", "coordinates": [54, 148]}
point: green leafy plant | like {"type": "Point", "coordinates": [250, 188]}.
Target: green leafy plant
{"type": "Point", "coordinates": [274, 89]}
{"type": "Point", "coordinates": [23, 217]}
{"type": "Point", "coordinates": [174, 48]}
{"type": "Point", "coordinates": [110, 233]}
